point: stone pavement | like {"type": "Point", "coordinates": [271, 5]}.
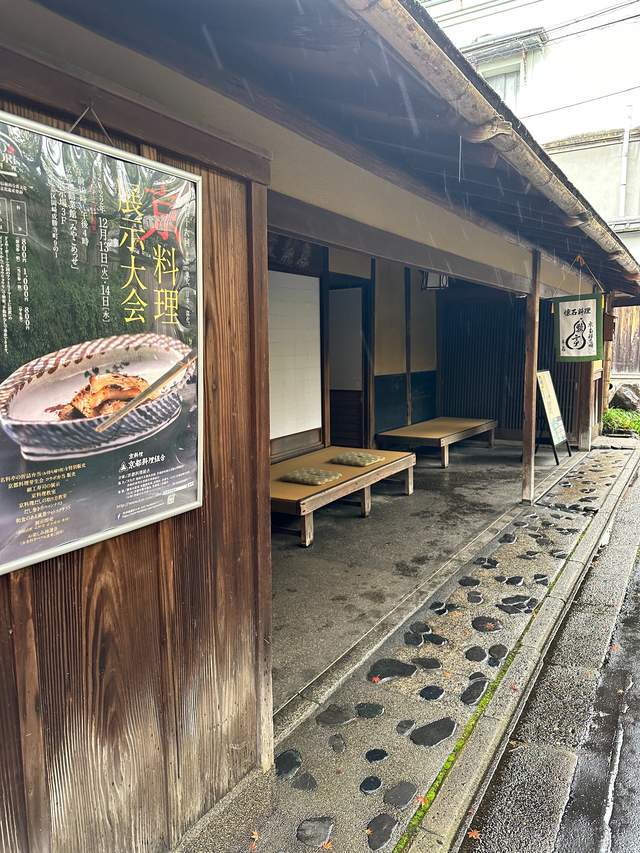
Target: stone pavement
{"type": "Point", "coordinates": [568, 779]}
{"type": "Point", "coordinates": [428, 711]}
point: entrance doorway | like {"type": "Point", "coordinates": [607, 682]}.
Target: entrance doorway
{"type": "Point", "coordinates": [349, 358]}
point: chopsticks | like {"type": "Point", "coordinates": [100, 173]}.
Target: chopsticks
{"type": "Point", "coordinates": [163, 380]}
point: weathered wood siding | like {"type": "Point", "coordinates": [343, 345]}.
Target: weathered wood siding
{"type": "Point", "coordinates": [626, 343]}
{"type": "Point", "coordinates": [135, 673]}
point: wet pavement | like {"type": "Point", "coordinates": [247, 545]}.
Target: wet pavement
{"type": "Point", "coordinates": [568, 782]}
{"type": "Point", "coordinates": [329, 596]}
{"type": "Point", "coordinates": [355, 771]}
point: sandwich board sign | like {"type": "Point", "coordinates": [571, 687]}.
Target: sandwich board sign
{"type": "Point", "coordinates": [578, 327]}
{"type": "Point", "coordinates": [552, 411]}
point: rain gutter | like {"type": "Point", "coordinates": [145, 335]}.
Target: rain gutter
{"type": "Point", "coordinates": [483, 122]}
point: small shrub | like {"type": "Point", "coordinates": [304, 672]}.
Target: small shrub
{"type": "Point", "coordinates": [614, 419]}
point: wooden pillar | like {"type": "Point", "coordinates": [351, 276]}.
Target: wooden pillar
{"type": "Point", "coordinates": [607, 360]}
{"type": "Point", "coordinates": [530, 382]}
{"type": "Point", "coordinates": [585, 405]}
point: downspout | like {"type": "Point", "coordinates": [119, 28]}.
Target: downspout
{"type": "Point", "coordinates": [395, 25]}
{"type": "Point", "coordinates": [624, 164]}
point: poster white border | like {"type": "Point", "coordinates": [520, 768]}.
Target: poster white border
{"type": "Point", "coordinates": [196, 180]}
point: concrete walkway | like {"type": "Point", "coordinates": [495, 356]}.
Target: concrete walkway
{"type": "Point", "coordinates": [430, 709]}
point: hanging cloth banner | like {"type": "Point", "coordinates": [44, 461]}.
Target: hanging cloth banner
{"type": "Point", "coordinates": [578, 327]}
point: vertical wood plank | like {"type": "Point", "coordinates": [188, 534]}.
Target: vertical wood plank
{"type": "Point", "coordinates": [369, 332]}
{"type": "Point", "coordinates": [407, 341]}
{"type": "Point", "coordinates": [530, 381]}
{"type": "Point", "coordinates": [607, 361]}
{"type": "Point", "coordinates": [325, 342]}
{"type": "Point", "coordinates": [30, 707]}
{"type": "Point", "coordinates": [258, 306]}
{"type": "Point", "coordinates": [585, 405]}
{"type": "Point", "coordinates": [13, 816]}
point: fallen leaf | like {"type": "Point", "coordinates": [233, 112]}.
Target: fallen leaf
{"type": "Point", "coordinates": [369, 831]}
{"type": "Point", "coordinates": [375, 679]}
{"type": "Point", "coordinates": [328, 845]}
{"type": "Point", "coordinates": [421, 800]}
{"type": "Point", "coordinates": [514, 688]}
{"type": "Point", "coordinates": [615, 647]}
{"type": "Point", "coordinates": [474, 833]}
{"type": "Point", "coordinates": [255, 835]}
{"type": "Point", "coordinates": [253, 846]}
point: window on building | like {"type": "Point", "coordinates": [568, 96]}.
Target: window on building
{"type": "Point", "coordinates": [506, 84]}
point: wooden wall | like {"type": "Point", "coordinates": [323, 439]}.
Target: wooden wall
{"type": "Point", "coordinates": [135, 674]}
{"type": "Point", "coordinates": [626, 344]}
{"type": "Point", "coordinates": [481, 359]}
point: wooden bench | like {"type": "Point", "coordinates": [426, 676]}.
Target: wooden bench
{"type": "Point", "coordinates": [439, 432]}
{"type": "Point", "coordinates": [303, 500]}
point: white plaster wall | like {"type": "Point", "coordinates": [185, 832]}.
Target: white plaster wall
{"type": "Point", "coordinates": [294, 353]}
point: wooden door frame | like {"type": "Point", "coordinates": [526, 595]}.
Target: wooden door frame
{"type": "Point", "coordinates": [341, 281]}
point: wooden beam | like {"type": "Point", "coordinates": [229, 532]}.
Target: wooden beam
{"type": "Point", "coordinates": [607, 361]}
{"type": "Point", "coordinates": [299, 219]}
{"type": "Point", "coordinates": [531, 382]}
{"type": "Point", "coordinates": [585, 405]}
{"type": "Point", "coordinates": [407, 341]}
{"type": "Point", "coordinates": [68, 95]}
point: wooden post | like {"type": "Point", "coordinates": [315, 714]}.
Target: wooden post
{"type": "Point", "coordinates": [408, 481]}
{"type": "Point", "coordinates": [607, 360]}
{"type": "Point", "coordinates": [530, 382]}
{"type": "Point", "coordinates": [365, 502]}
{"type": "Point", "coordinates": [585, 405]}
{"type": "Point", "coordinates": [306, 530]}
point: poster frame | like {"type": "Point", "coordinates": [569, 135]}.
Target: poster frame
{"type": "Point", "coordinates": [196, 179]}
{"type": "Point", "coordinates": [597, 297]}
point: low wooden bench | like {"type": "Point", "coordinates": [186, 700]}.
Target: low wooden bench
{"type": "Point", "coordinates": [438, 432]}
{"type": "Point", "coordinates": [303, 500]}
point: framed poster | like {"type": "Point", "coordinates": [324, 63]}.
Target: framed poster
{"type": "Point", "coordinates": [100, 298]}
{"type": "Point", "coordinates": [552, 411]}
{"type": "Point", "coordinates": [578, 327]}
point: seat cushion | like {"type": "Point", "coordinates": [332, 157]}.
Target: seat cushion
{"type": "Point", "coordinates": [311, 476]}
{"type": "Point", "coordinates": [356, 459]}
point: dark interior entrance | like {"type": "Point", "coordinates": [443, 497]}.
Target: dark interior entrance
{"type": "Point", "coordinates": [349, 360]}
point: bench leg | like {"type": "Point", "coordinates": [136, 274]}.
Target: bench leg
{"type": "Point", "coordinates": [306, 530]}
{"type": "Point", "coordinates": [492, 438]}
{"type": "Point", "coordinates": [365, 502]}
{"type": "Point", "coordinates": [444, 456]}
{"type": "Point", "coordinates": [408, 481]}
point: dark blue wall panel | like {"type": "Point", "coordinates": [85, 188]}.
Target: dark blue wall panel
{"type": "Point", "coordinates": [390, 401]}
{"type": "Point", "coordinates": [423, 395]}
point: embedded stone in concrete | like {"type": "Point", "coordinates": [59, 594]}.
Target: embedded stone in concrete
{"type": "Point", "coordinates": [387, 668]}
{"type": "Point", "coordinates": [401, 795]}
{"type": "Point", "coordinates": [437, 605]}
{"type": "Point", "coordinates": [433, 733]}
{"type": "Point", "coordinates": [507, 539]}
{"type": "Point", "coordinates": [486, 625]}
{"type": "Point", "coordinates": [315, 832]}
{"type": "Point", "coordinates": [420, 628]}
{"type": "Point", "coordinates": [411, 639]}
{"type": "Point", "coordinates": [469, 581]}
{"type": "Point", "coordinates": [288, 763]}
{"type": "Point", "coordinates": [305, 782]}
{"type": "Point", "coordinates": [520, 598]}
{"type": "Point", "coordinates": [474, 692]}
{"type": "Point", "coordinates": [380, 830]}
{"type": "Point", "coordinates": [515, 580]}
{"type": "Point", "coordinates": [486, 562]}
{"type": "Point", "coordinates": [498, 651]}
{"type": "Point", "coordinates": [510, 609]}
{"type": "Point", "coordinates": [436, 639]}
{"type": "Point", "coordinates": [335, 715]}
{"type": "Point", "coordinates": [427, 663]}
{"type": "Point", "coordinates": [500, 578]}
{"type": "Point", "coordinates": [369, 710]}
{"type": "Point", "coordinates": [337, 743]}
{"type": "Point", "coordinates": [474, 598]}
{"type": "Point", "coordinates": [475, 676]}
{"type": "Point", "coordinates": [493, 662]}
{"type": "Point", "coordinates": [404, 727]}
{"type": "Point", "coordinates": [476, 654]}
{"type": "Point", "coordinates": [431, 692]}
{"type": "Point", "coordinates": [440, 611]}
{"type": "Point", "coordinates": [520, 523]}
{"type": "Point", "coordinates": [370, 785]}
{"type": "Point", "coordinates": [559, 555]}
{"type": "Point", "coordinates": [373, 756]}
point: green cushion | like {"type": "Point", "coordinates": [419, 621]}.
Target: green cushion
{"type": "Point", "coordinates": [311, 476]}
{"type": "Point", "coordinates": [356, 458]}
